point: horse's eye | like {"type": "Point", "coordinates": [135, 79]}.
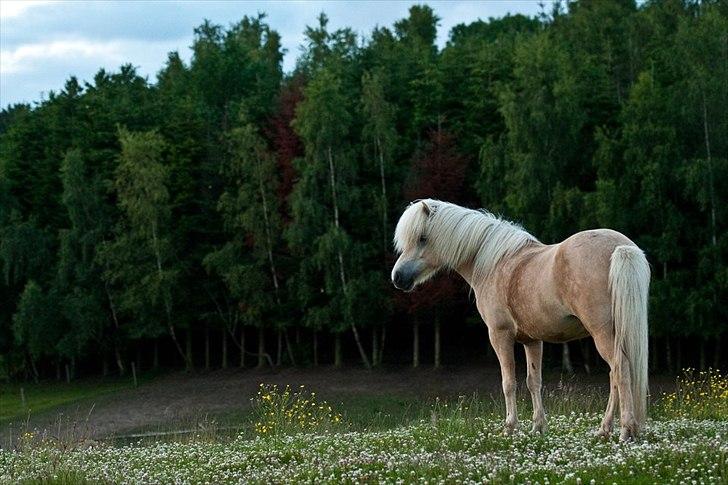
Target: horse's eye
{"type": "Point", "coordinates": [423, 239]}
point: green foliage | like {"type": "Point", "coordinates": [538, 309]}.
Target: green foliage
{"type": "Point", "coordinates": [226, 193]}
{"type": "Point", "coordinates": [251, 216]}
{"type": "Point", "coordinates": [33, 322]}
{"type": "Point", "coordinates": [140, 262]}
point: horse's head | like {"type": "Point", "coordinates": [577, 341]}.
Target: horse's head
{"type": "Point", "coordinates": [413, 241]}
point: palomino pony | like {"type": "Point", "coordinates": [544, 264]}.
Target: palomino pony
{"type": "Point", "coordinates": [593, 283]}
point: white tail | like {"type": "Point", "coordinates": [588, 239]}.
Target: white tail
{"type": "Point", "coordinates": [629, 281]}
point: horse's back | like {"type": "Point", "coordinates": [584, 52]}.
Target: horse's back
{"type": "Point", "coordinates": [586, 256]}
{"type": "Point", "coordinates": [594, 242]}
{"type": "Point", "coordinates": [581, 270]}
{"type": "Point", "coordinates": [560, 292]}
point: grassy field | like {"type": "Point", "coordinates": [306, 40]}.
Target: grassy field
{"type": "Point", "coordinates": [43, 397]}
{"type": "Point", "coordinates": [292, 435]}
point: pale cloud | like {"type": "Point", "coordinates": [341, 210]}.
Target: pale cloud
{"type": "Point", "coordinates": [15, 8]}
{"type": "Point", "coordinates": [27, 58]}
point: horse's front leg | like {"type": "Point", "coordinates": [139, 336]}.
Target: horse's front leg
{"type": "Point", "coordinates": [503, 342]}
{"type": "Point", "coordinates": [534, 353]}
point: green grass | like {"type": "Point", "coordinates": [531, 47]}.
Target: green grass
{"type": "Point", "coordinates": [452, 447]}
{"type": "Point", "coordinates": [43, 397]}
{"type": "Point", "coordinates": [387, 438]}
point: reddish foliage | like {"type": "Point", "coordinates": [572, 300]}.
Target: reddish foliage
{"type": "Point", "coordinates": [286, 144]}
{"type": "Point", "coordinates": [438, 172]}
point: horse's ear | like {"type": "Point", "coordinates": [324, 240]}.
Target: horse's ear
{"type": "Point", "coordinates": [426, 209]}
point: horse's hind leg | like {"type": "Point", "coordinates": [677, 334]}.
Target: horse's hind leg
{"type": "Point", "coordinates": [534, 352]}
{"type": "Point", "coordinates": [605, 429]}
{"type": "Point", "coordinates": [620, 391]}
{"type": "Point", "coordinates": [604, 342]}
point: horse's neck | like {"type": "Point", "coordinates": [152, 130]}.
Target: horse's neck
{"type": "Point", "coordinates": [467, 269]}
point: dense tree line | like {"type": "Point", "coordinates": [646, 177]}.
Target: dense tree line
{"type": "Point", "coordinates": [229, 213]}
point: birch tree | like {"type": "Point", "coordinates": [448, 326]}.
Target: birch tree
{"type": "Point", "coordinates": [323, 123]}
{"type": "Point", "coordinates": [248, 262]}
{"type": "Point", "coordinates": [380, 134]}
{"type": "Point", "coordinates": [141, 260]}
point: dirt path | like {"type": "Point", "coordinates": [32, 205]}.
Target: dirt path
{"type": "Point", "coordinates": [180, 397]}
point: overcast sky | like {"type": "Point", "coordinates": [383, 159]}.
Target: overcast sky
{"type": "Point", "coordinates": [42, 43]}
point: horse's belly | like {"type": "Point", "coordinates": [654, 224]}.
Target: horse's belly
{"type": "Point", "coordinates": [553, 331]}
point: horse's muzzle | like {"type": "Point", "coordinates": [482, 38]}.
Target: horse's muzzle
{"type": "Point", "coordinates": [403, 280]}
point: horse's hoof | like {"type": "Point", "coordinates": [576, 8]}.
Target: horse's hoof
{"type": "Point", "coordinates": [627, 434]}
{"type": "Point", "coordinates": [539, 428]}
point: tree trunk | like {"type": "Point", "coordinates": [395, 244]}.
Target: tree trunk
{"type": "Point", "coordinates": [654, 361]}
{"type": "Point", "coordinates": [566, 365]}
{"type": "Point", "coordinates": [104, 365]}
{"type": "Point", "coordinates": [716, 352]}
{"type": "Point", "coordinates": [385, 231]}
{"type": "Point", "coordinates": [168, 307]}
{"type": "Point", "coordinates": [380, 358]}
{"type": "Point", "coordinates": [289, 348]}
{"type": "Point", "coordinates": [261, 347]}
{"type": "Point", "coordinates": [337, 350]}
{"type": "Point", "coordinates": [703, 356]}
{"type": "Point", "coordinates": [58, 370]}
{"type": "Point", "coordinates": [119, 361]}
{"type": "Point", "coordinates": [268, 235]}
{"type": "Point", "coordinates": [416, 343]}
{"type": "Point", "coordinates": [438, 362]}
{"type": "Point", "coordinates": [375, 346]}
{"type": "Point", "coordinates": [242, 347]}
{"type": "Point", "coordinates": [269, 250]}
{"type": "Point", "coordinates": [207, 347]}
{"type": "Point", "coordinates": [678, 356]}
{"type": "Point", "coordinates": [711, 184]}
{"type": "Point", "coordinates": [68, 374]}
{"type": "Point", "coordinates": [155, 362]}
{"type": "Point", "coordinates": [112, 307]}
{"type": "Point", "coordinates": [35, 370]}
{"type": "Point", "coordinates": [342, 274]}
{"type": "Point", "coordinates": [188, 351]}
{"type": "Point", "coordinates": [315, 348]}
{"type": "Point", "coordinates": [224, 349]}
{"type": "Point", "coordinates": [668, 355]}
{"type": "Point", "coordinates": [585, 346]}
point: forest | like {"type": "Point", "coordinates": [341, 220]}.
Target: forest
{"type": "Point", "coordinates": [228, 213]}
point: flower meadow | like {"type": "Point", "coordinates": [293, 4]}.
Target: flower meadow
{"type": "Point", "coordinates": [288, 411]}
{"type": "Point", "coordinates": [674, 451]}
{"type": "Point", "coordinates": [698, 394]}
{"type": "Point", "coordinates": [294, 438]}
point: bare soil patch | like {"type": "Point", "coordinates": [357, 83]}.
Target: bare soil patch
{"type": "Point", "coordinates": [181, 397]}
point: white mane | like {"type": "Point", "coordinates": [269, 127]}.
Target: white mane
{"type": "Point", "coordinates": [457, 235]}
